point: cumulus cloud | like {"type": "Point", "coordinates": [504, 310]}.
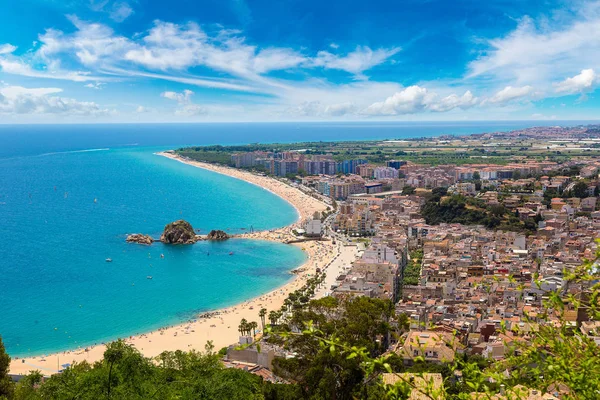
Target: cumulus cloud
{"type": "Point", "coordinates": [7, 48]}
{"type": "Point", "coordinates": [95, 85]}
{"type": "Point", "coordinates": [578, 83]}
{"type": "Point", "coordinates": [186, 107]}
{"type": "Point", "coordinates": [20, 100]}
{"type": "Point", "coordinates": [510, 93]}
{"type": "Point", "coordinates": [416, 99]}
{"type": "Point", "coordinates": [467, 100]}
{"type": "Point", "coordinates": [184, 97]}
{"type": "Point", "coordinates": [92, 44]}
{"type": "Point", "coordinates": [408, 101]}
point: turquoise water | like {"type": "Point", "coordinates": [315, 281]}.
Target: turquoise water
{"type": "Point", "coordinates": [58, 292]}
{"type": "Point", "coordinates": [54, 238]}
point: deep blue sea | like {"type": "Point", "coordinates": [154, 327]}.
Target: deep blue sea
{"type": "Point", "coordinates": [69, 195]}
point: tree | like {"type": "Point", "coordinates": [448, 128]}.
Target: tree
{"type": "Point", "coordinates": [243, 327]}
{"type": "Point", "coordinates": [6, 384]}
{"type": "Point", "coordinates": [273, 317]}
{"type": "Point", "coordinates": [262, 314]}
{"type": "Point", "coordinates": [580, 189]}
{"type": "Point", "coordinates": [408, 190]}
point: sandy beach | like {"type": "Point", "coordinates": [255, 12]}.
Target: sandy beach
{"type": "Point", "coordinates": [219, 326]}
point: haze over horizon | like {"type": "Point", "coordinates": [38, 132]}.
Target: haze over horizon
{"type": "Point", "coordinates": [104, 61]}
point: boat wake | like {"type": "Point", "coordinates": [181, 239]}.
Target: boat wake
{"type": "Point", "coordinates": [72, 151]}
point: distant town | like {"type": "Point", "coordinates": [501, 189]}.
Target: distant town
{"type": "Point", "coordinates": [465, 234]}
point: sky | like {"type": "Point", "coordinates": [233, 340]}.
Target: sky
{"type": "Point", "coordinates": [96, 61]}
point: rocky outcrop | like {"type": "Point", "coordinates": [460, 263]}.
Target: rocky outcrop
{"type": "Point", "coordinates": [178, 232]}
{"type": "Point", "coordinates": [139, 238]}
{"type": "Point", "coordinates": [217, 235]}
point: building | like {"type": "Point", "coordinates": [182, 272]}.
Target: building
{"type": "Point", "coordinates": [385, 173]}
{"type": "Point", "coordinates": [285, 167]}
{"type": "Point", "coordinates": [314, 228]}
{"type": "Point", "coordinates": [424, 384]}
{"type": "Point", "coordinates": [349, 166]}
{"type": "Point", "coordinates": [373, 187]}
{"type": "Point", "coordinates": [324, 167]}
{"type": "Point", "coordinates": [243, 160]}
{"type": "Point", "coordinates": [431, 346]}
{"type": "Point", "coordinates": [396, 164]}
{"type": "Point", "coordinates": [365, 170]}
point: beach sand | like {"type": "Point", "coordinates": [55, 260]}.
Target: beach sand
{"type": "Point", "coordinates": [220, 326]}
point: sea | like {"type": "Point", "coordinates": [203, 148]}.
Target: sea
{"type": "Point", "coordinates": [70, 194]}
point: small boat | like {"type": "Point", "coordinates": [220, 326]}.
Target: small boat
{"type": "Point", "coordinates": [231, 253]}
{"type": "Point", "coordinates": [109, 260]}
{"type": "Point", "coordinates": [162, 256]}
{"type": "Point", "coordinates": [149, 277]}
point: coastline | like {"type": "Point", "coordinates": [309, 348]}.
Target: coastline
{"type": "Point", "coordinates": [218, 326]}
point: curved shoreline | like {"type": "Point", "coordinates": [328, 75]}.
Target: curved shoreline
{"type": "Point", "coordinates": [218, 326]}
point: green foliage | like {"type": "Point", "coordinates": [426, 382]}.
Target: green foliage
{"type": "Point", "coordinates": [408, 190]}
{"type": "Point", "coordinates": [6, 386]}
{"type": "Point", "coordinates": [580, 189]}
{"type": "Point", "coordinates": [204, 155]}
{"type": "Point", "coordinates": [471, 211]}
{"type": "Point", "coordinates": [125, 374]}
{"type": "Point", "coordinates": [323, 373]}
{"type": "Point", "coordinates": [412, 272]}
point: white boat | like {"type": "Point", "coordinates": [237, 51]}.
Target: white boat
{"type": "Point", "coordinates": [109, 260]}
{"type": "Point", "coordinates": [149, 277]}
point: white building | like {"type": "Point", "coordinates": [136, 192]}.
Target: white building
{"type": "Point", "coordinates": [385, 172]}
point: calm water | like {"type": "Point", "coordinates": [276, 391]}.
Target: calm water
{"type": "Point", "coordinates": [69, 195]}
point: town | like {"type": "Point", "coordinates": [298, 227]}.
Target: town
{"type": "Point", "coordinates": [467, 253]}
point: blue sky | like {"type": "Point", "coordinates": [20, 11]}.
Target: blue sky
{"type": "Point", "coordinates": [297, 60]}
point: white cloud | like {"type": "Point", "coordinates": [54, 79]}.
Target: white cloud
{"type": "Point", "coordinates": [334, 46]}
{"type": "Point", "coordinates": [577, 84]}
{"type": "Point", "coordinates": [93, 45]}
{"type": "Point", "coordinates": [408, 101]}
{"type": "Point", "coordinates": [96, 85]}
{"type": "Point", "coordinates": [356, 62]}
{"type": "Point", "coordinates": [276, 59]}
{"type": "Point", "coordinates": [141, 109]}
{"type": "Point", "coordinates": [20, 100]}
{"type": "Point", "coordinates": [120, 11]}
{"type": "Point", "coordinates": [539, 52]}
{"type": "Point", "coordinates": [17, 67]}
{"type": "Point", "coordinates": [191, 110]}
{"type": "Point", "coordinates": [7, 48]}
{"type": "Point", "coordinates": [467, 100]}
{"type": "Point", "coordinates": [184, 97]}
{"type": "Point", "coordinates": [318, 109]}
{"type": "Point", "coordinates": [510, 93]}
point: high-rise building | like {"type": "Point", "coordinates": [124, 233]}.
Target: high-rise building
{"type": "Point", "coordinates": [396, 163]}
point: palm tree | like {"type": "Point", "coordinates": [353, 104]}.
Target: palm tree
{"type": "Point", "coordinates": [253, 325]}
{"type": "Point", "coordinates": [262, 313]}
{"type": "Point", "coordinates": [273, 317]}
{"type": "Point", "coordinates": [287, 303]}
{"type": "Point", "coordinates": [243, 328]}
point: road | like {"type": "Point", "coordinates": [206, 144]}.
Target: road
{"type": "Point", "coordinates": [346, 256]}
